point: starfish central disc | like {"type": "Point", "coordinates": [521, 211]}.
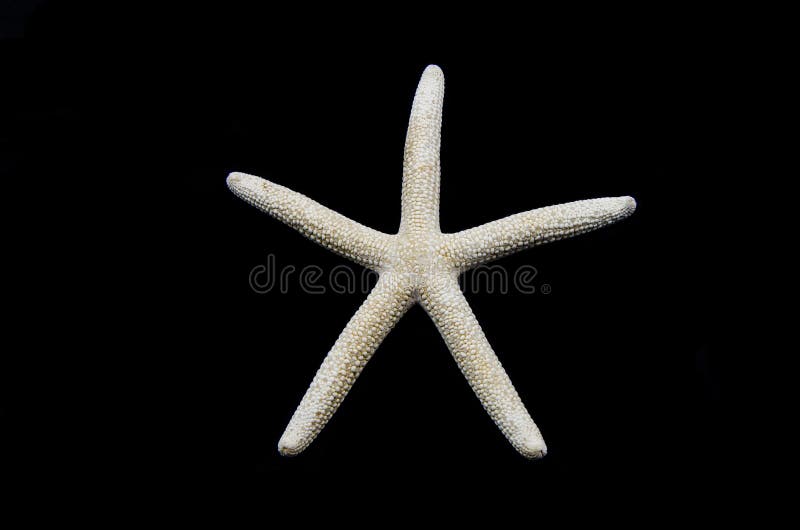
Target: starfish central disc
{"type": "Point", "coordinates": [418, 259]}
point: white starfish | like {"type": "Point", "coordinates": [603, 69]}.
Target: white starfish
{"type": "Point", "coordinates": [420, 264]}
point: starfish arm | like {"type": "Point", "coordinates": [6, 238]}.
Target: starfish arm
{"type": "Point", "coordinates": [488, 242]}
{"type": "Point", "coordinates": [445, 303]}
{"type": "Point", "coordinates": [420, 196]}
{"type": "Point", "coordinates": [379, 313]}
{"type": "Point", "coordinates": [330, 229]}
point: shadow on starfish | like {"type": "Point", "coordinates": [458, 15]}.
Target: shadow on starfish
{"type": "Point", "coordinates": [420, 264]}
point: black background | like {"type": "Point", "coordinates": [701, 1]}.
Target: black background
{"type": "Point", "coordinates": [171, 375]}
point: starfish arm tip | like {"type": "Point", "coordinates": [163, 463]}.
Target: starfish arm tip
{"type": "Point", "coordinates": [433, 69]}
{"type": "Point", "coordinates": [628, 205]}
{"type": "Point", "coordinates": [287, 446]}
{"type": "Point", "coordinates": [534, 449]}
{"type": "Point", "coordinates": [237, 182]}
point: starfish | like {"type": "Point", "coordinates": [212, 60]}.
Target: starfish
{"type": "Point", "coordinates": [420, 264]}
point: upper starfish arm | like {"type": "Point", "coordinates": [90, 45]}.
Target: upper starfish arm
{"type": "Point", "coordinates": [421, 172]}
{"type": "Point", "coordinates": [330, 229]}
{"type": "Point", "coordinates": [445, 303]}
{"type": "Point", "coordinates": [511, 234]}
{"type": "Point", "coordinates": [362, 335]}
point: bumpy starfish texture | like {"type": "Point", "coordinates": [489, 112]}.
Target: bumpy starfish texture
{"type": "Point", "coordinates": [420, 264]}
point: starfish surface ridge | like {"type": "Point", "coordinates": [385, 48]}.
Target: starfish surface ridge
{"type": "Point", "coordinates": [420, 264]}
